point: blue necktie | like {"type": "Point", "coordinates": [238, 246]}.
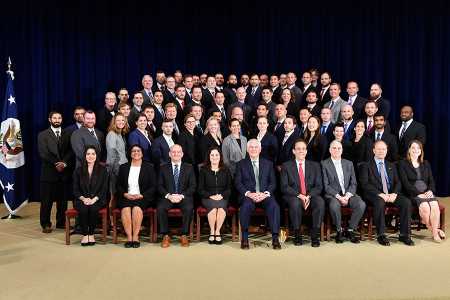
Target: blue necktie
{"type": "Point", "coordinates": [378, 136]}
{"type": "Point", "coordinates": [176, 176]}
{"type": "Point", "coordinates": [324, 128]}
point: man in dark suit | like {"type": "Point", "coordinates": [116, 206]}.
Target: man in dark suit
{"type": "Point", "coordinates": [327, 127]}
{"type": "Point", "coordinates": [88, 135]}
{"type": "Point", "coordinates": [240, 101]}
{"type": "Point", "coordinates": [304, 115]}
{"type": "Point", "coordinates": [409, 130]}
{"type": "Point", "coordinates": [291, 79]}
{"type": "Point", "coordinates": [280, 116]}
{"type": "Point", "coordinates": [311, 103]}
{"type": "Point", "coordinates": [254, 94]}
{"type": "Point", "coordinates": [380, 133]}
{"type": "Point", "coordinates": [162, 144]}
{"type": "Point", "coordinates": [147, 91]}
{"type": "Point", "coordinates": [324, 94]}
{"type": "Point", "coordinates": [261, 111]}
{"type": "Point", "coordinates": [56, 155]}
{"type": "Point", "coordinates": [78, 117]}
{"type": "Point", "coordinates": [160, 81]}
{"type": "Point", "coordinates": [287, 143]}
{"type": "Point", "coordinates": [357, 102]}
{"type": "Point", "coordinates": [381, 187]}
{"type": "Point", "coordinates": [255, 182]}
{"type": "Point", "coordinates": [301, 185]}
{"type": "Point", "coordinates": [107, 112]}
{"type": "Point", "coordinates": [209, 92]}
{"type": "Point", "coordinates": [196, 96]}
{"type": "Point", "coordinates": [307, 86]}
{"type": "Point", "coordinates": [188, 83]}
{"type": "Point", "coordinates": [169, 91]}
{"type": "Point", "coordinates": [266, 95]}
{"type": "Point", "coordinates": [176, 186]}
{"type": "Point", "coordinates": [276, 88]}
{"type": "Point", "coordinates": [158, 99]}
{"type": "Point", "coordinates": [384, 107]}
{"type": "Point", "coordinates": [171, 113]}
{"type": "Point", "coordinates": [348, 121]}
{"type": "Point", "coordinates": [219, 105]}
{"type": "Point", "coordinates": [339, 182]}
{"type": "Point", "coordinates": [136, 110]}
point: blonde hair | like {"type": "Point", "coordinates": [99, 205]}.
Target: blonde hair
{"type": "Point", "coordinates": [420, 158]}
{"type": "Point", "coordinates": [212, 118]}
{"type": "Point", "coordinates": [113, 127]}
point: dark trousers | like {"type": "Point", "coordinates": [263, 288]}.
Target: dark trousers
{"type": "Point", "coordinates": [317, 207]}
{"type": "Point", "coordinates": [53, 191]}
{"type": "Point", "coordinates": [355, 203]}
{"type": "Point", "coordinates": [187, 208]}
{"type": "Point", "coordinates": [405, 206]}
{"type": "Point", "coordinates": [88, 216]}
{"type": "Point", "coordinates": [271, 208]}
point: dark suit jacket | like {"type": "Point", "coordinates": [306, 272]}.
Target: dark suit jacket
{"type": "Point", "coordinates": [147, 180]}
{"type": "Point", "coordinates": [103, 119]}
{"type": "Point", "coordinates": [255, 99]}
{"type": "Point", "coordinates": [276, 97]}
{"type": "Point", "coordinates": [189, 143]}
{"type": "Point", "coordinates": [325, 97]}
{"type": "Point", "coordinates": [362, 151]}
{"type": "Point", "coordinates": [136, 137]}
{"type": "Point", "coordinates": [290, 180]}
{"type": "Point", "coordinates": [305, 93]}
{"type": "Point", "coordinates": [82, 138]}
{"type": "Point", "coordinates": [370, 179]}
{"type": "Point", "coordinates": [245, 178]}
{"type": "Point", "coordinates": [168, 97]}
{"type": "Point", "coordinates": [391, 141]}
{"type": "Point", "coordinates": [298, 95]}
{"type": "Point", "coordinates": [285, 151]}
{"type": "Point", "coordinates": [207, 99]}
{"type": "Point", "coordinates": [148, 100]}
{"type": "Point", "coordinates": [269, 147]}
{"type": "Point", "coordinates": [384, 107]}
{"type": "Point", "coordinates": [205, 143]}
{"type": "Point", "coordinates": [160, 152]}
{"type": "Point", "coordinates": [279, 132]}
{"type": "Point", "coordinates": [358, 107]}
{"type": "Point", "coordinates": [158, 118]}
{"type": "Point", "coordinates": [408, 177]}
{"type": "Point", "coordinates": [317, 151]}
{"type": "Point", "coordinates": [51, 153]}
{"type": "Point", "coordinates": [96, 186]}
{"type": "Point", "coordinates": [316, 110]}
{"type": "Point", "coordinates": [211, 183]}
{"type": "Point", "coordinates": [350, 133]}
{"type": "Point", "coordinates": [186, 182]}
{"type": "Point", "coordinates": [329, 132]}
{"type": "Point", "coordinates": [415, 131]}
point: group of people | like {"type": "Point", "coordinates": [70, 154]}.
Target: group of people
{"type": "Point", "coordinates": [265, 142]}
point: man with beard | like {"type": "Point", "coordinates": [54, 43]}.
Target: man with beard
{"type": "Point", "coordinates": [78, 116]}
{"type": "Point", "coordinates": [283, 81]}
{"type": "Point", "coordinates": [56, 154]}
{"type": "Point", "coordinates": [276, 88]}
{"type": "Point", "coordinates": [264, 80]}
{"type": "Point", "coordinates": [228, 93]}
{"type": "Point", "coordinates": [311, 103]}
{"type": "Point", "coordinates": [335, 103]}
{"type": "Point", "coordinates": [137, 109]}
{"type": "Point", "coordinates": [267, 99]}
{"type": "Point", "coordinates": [160, 81]}
{"type": "Point", "coordinates": [409, 130]}
{"type": "Point", "coordinates": [384, 107]}
{"type": "Point", "coordinates": [254, 96]}
{"type": "Point", "coordinates": [232, 82]}
{"type": "Point", "coordinates": [245, 80]}
{"type": "Point", "coordinates": [220, 80]}
{"type": "Point", "coordinates": [203, 78]}
{"type": "Point", "coordinates": [159, 109]}
{"type": "Point", "coordinates": [197, 95]}
{"type": "Point", "coordinates": [324, 94]}
{"type": "Point", "coordinates": [240, 102]}
{"type": "Point", "coordinates": [261, 111]}
{"type": "Point", "coordinates": [147, 93]}
{"type": "Point", "coordinates": [123, 95]}
{"type": "Point", "coordinates": [314, 77]}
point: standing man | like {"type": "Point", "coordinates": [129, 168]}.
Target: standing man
{"type": "Point", "coordinates": [107, 112]}
{"type": "Point", "coordinates": [56, 155]}
{"type": "Point", "coordinates": [409, 130]}
{"type": "Point", "coordinates": [336, 102]}
{"type": "Point", "coordinates": [354, 100]}
{"type": "Point", "coordinates": [384, 107]}
{"type": "Point", "coordinates": [147, 92]}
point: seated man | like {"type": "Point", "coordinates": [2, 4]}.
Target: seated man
{"type": "Point", "coordinates": [301, 185]}
{"type": "Point", "coordinates": [381, 185]}
{"type": "Point", "coordinates": [339, 182]}
{"type": "Point", "coordinates": [176, 185]}
{"type": "Point", "coordinates": [255, 181]}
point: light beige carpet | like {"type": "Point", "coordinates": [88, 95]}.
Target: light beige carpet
{"type": "Point", "coordinates": [38, 266]}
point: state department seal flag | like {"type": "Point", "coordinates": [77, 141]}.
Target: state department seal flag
{"type": "Point", "coordinates": [12, 157]}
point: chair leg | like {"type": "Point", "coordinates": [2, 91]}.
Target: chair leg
{"type": "Point", "coordinates": [114, 223]}
{"type": "Point", "coordinates": [198, 227]}
{"type": "Point", "coordinates": [191, 231]}
{"type": "Point", "coordinates": [370, 227]}
{"type": "Point", "coordinates": [233, 228]}
{"type": "Point", "coordinates": [67, 230]}
{"type": "Point", "coordinates": [155, 228]}
{"type": "Point", "coordinates": [322, 231]}
{"type": "Point", "coordinates": [104, 227]}
{"type": "Point", "coordinates": [328, 225]}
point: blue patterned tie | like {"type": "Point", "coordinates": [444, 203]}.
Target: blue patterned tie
{"type": "Point", "coordinates": [176, 176]}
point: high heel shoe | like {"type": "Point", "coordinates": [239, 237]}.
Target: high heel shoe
{"type": "Point", "coordinates": [211, 239]}
{"type": "Point", "coordinates": [441, 234]}
{"type": "Point", "coordinates": [218, 240]}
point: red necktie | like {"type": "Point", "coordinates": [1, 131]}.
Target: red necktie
{"type": "Point", "coordinates": [302, 179]}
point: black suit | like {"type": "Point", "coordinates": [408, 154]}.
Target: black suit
{"type": "Point", "coordinates": [168, 96]}
{"type": "Point", "coordinates": [305, 94]}
{"type": "Point", "coordinates": [316, 110]}
{"type": "Point", "coordinates": [207, 98]}
{"type": "Point", "coordinates": [103, 118]}
{"type": "Point", "coordinates": [159, 118]}
{"type": "Point", "coordinates": [276, 96]}
{"type": "Point", "coordinates": [186, 187]}
{"type": "Point", "coordinates": [317, 148]}
{"type": "Point", "coordinates": [371, 184]}
{"type": "Point", "coordinates": [415, 131]}
{"type": "Point", "coordinates": [384, 107]}
{"type": "Point", "coordinates": [269, 147]}
{"type": "Point", "coordinates": [290, 187]}
{"type": "Point", "coordinates": [254, 99]}
{"type": "Point", "coordinates": [391, 141]}
{"type": "Point", "coordinates": [54, 185]}
{"type": "Point", "coordinates": [189, 143]}
{"type": "Point", "coordinates": [358, 107]}
{"type": "Point", "coordinates": [326, 97]}
{"type": "Point", "coordinates": [285, 150]}
{"type": "Point", "coordinates": [205, 143]}
{"type": "Point", "coordinates": [408, 177]}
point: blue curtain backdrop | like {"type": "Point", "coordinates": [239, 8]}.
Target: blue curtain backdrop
{"type": "Point", "coordinates": [71, 53]}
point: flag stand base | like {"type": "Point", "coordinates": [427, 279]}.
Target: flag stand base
{"type": "Point", "coordinates": [11, 217]}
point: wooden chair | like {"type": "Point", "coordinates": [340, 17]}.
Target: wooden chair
{"type": "Point", "coordinates": [172, 213]}
{"type": "Point", "coordinates": [202, 212]}
{"type": "Point", "coordinates": [71, 213]}
{"type": "Point", "coordinates": [149, 213]}
{"type": "Point", "coordinates": [305, 213]}
{"type": "Point", "coordinates": [346, 212]}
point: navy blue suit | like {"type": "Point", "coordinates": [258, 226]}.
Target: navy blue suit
{"type": "Point", "coordinates": [245, 182]}
{"type": "Point", "coordinates": [137, 138]}
{"type": "Point", "coordinates": [160, 152]}
{"type": "Point", "coordinates": [285, 151]}
{"type": "Point", "coordinates": [269, 147]}
{"type": "Point", "coordinates": [253, 100]}
{"type": "Point", "coordinates": [350, 133]}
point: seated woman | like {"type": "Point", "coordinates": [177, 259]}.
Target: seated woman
{"type": "Point", "coordinates": [214, 187]}
{"type": "Point", "coordinates": [135, 189]}
{"type": "Point", "coordinates": [418, 183]}
{"type": "Point", "coordinates": [140, 136]}
{"type": "Point", "coordinates": [317, 143]}
{"type": "Point", "coordinates": [90, 186]}
{"type": "Point", "coordinates": [234, 146]}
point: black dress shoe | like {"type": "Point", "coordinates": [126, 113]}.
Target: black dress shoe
{"type": "Point", "coordinates": [85, 244]}
{"type": "Point", "coordinates": [339, 237]}
{"type": "Point", "coordinates": [136, 244]}
{"type": "Point", "coordinates": [382, 240]}
{"type": "Point", "coordinates": [315, 242]}
{"type": "Point", "coordinates": [276, 244]}
{"type": "Point", "coordinates": [47, 229]}
{"type": "Point", "coordinates": [406, 240]}
{"type": "Point", "coordinates": [128, 244]}
{"type": "Point", "coordinates": [245, 245]}
{"type": "Point", "coordinates": [218, 240]}
{"type": "Point", "coordinates": [351, 235]}
{"type": "Point", "coordinates": [91, 243]}
{"type": "Point", "coordinates": [60, 226]}
{"type": "Point", "coordinates": [298, 240]}
{"type": "Point", "coordinates": [211, 239]}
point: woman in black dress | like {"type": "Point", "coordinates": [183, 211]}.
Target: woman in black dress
{"type": "Point", "coordinates": [90, 186]}
{"type": "Point", "coordinates": [317, 143]}
{"type": "Point", "coordinates": [214, 187]}
{"type": "Point", "coordinates": [362, 146]}
{"type": "Point", "coordinates": [418, 183]}
{"type": "Point", "coordinates": [135, 189]}
{"type": "Point", "coordinates": [289, 101]}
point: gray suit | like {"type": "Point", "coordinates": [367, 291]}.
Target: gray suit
{"type": "Point", "coordinates": [333, 188]}
{"type": "Point", "coordinates": [115, 156]}
{"type": "Point", "coordinates": [336, 109]}
{"type": "Point", "coordinates": [232, 153]}
{"type": "Point", "coordinates": [81, 138]}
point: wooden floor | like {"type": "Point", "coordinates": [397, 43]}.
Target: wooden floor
{"type": "Point", "coordinates": [34, 265]}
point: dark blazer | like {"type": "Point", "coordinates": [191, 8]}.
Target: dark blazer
{"type": "Point", "coordinates": [245, 178]}
{"type": "Point", "coordinates": [206, 142]}
{"type": "Point", "coordinates": [253, 100]}
{"type": "Point", "coordinates": [329, 132]}
{"type": "Point", "coordinates": [408, 177]}
{"type": "Point", "coordinates": [247, 109]}
{"type": "Point", "coordinates": [350, 133]}
{"type": "Point", "coordinates": [97, 185]}
{"type": "Point", "coordinates": [279, 132]}
{"type": "Point", "coordinates": [358, 107]}
{"type": "Point", "coordinates": [326, 97]}
{"type": "Point", "coordinates": [415, 131]}
{"type": "Point", "coordinates": [189, 143]}
{"type": "Point", "coordinates": [269, 147]}
{"type": "Point", "coordinates": [51, 153]}
{"type": "Point", "coordinates": [103, 119]}
{"type": "Point", "coordinates": [82, 138]}
{"type": "Point", "coordinates": [370, 179]}
{"type": "Point", "coordinates": [168, 97]}
{"type": "Point", "coordinates": [276, 97]}
{"type": "Point", "coordinates": [158, 118]}
{"type": "Point", "coordinates": [71, 128]}
{"type": "Point", "coordinates": [136, 137]}
{"type": "Point", "coordinates": [391, 141]}
{"type": "Point", "coordinates": [384, 107]}
{"type": "Point", "coordinates": [207, 99]}
{"type": "Point", "coordinates": [316, 110]}
{"type": "Point", "coordinates": [147, 180]}
{"type": "Point", "coordinates": [148, 99]}
{"type": "Point", "coordinates": [160, 152]}
{"type": "Point", "coordinates": [298, 95]}
{"type": "Point", "coordinates": [285, 151]}
{"type": "Point", "coordinates": [305, 93]}
{"type": "Point", "coordinates": [134, 114]}
{"type": "Point", "coordinates": [186, 182]}
{"type": "Point", "coordinates": [317, 152]}
{"type": "Point", "coordinates": [362, 151]}
{"type": "Point", "coordinates": [290, 180]}
{"type": "Point", "coordinates": [211, 183]}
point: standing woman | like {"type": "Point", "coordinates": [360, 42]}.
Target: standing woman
{"type": "Point", "coordinates": [361, 145]}
{"type": "Point", "coordinates": [215, 188]}
{"type": "Point", "coordinates": [234, 147]}
{"type": "Point", "coordinates": [135, 190]}
{"type": "Point", "coordinates": [211, 138]}
{"type": "Point", "coordinates": [289, 101]}
{"type": "Point", "coordinates": [317, 143]}
{"type": "Point", "coordinates": [269, 143]}
{"type": "Point", "coordinates": [115, 149]}
{"type": "Point", "coordinates": [140, 136]}
{"type": "Point", "coordinates": [418, 183]}
{"type": "Point", "coordinates": [90, 185]}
